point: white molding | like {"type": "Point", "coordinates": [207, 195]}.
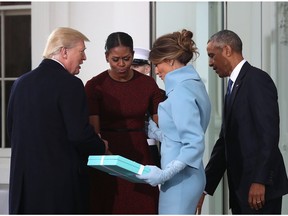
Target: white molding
{"type": "Point", "coordinates": [5, 155]}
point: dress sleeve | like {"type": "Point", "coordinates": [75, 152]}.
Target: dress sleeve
{"type": "Point", "coordinates": [158, 96]}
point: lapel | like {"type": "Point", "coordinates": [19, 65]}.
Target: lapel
{"type": "Point", "coordinates": [235, 90]}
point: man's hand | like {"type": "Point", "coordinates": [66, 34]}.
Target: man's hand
{"type": "Point", "coordinates": [107, 151]}
{"type": "Point", "coordinates": [256, 196]}
{"type": "Point", "coordinates": [200, 203]}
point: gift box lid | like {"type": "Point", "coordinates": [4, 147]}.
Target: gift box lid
{"type": "Point", "coordinates": [118, 166]}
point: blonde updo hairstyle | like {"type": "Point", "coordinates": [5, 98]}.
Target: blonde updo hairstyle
{"type": "Point", "coordinates": [174, 46]}
{"type": "Point", "coordinates": [62, 37]}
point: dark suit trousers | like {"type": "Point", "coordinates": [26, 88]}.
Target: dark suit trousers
{"type": "Point", "coordinates": [271, 207]}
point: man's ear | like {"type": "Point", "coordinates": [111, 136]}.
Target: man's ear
{"type": "Point", "coordinates": [63, 52]}
{"type": "Point", "coordinates": [228, 50]}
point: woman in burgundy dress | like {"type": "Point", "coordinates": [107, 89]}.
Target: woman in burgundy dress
{"type": "Point", "coordinates": [118, 101]}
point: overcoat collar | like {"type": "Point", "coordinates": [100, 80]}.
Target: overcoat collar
{"type": "Point", "coordinates": [177, 76]}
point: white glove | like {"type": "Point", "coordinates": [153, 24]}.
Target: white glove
{"type": "Point", "coordinates": [154, 132]}
{"type": "Point", "coordinates": [158, 176]}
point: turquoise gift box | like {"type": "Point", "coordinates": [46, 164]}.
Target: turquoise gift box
{"type": "Point", "coordinates": [118, 166]}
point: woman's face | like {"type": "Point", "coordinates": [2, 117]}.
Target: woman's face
{"type": "Point", "coordinates": [120, 59]}
{"type": "Point", "coordinates": [162, 69]}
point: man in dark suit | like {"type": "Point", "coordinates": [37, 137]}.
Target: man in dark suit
{"type": "Point", "coordinates": [50, 133]}
{"type": "Point", "coordinates": [247, 147]}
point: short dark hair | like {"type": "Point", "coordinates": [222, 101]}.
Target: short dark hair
{"type": "Point", "coordinates": [116, 39]}
{"type": "Point", "coordinates": [140, 62]}
{"type": "Point", "coordinates": [227, 37]}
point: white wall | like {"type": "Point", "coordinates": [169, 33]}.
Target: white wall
{"type": "Point", "coordinates": [96, 20]}
{"type": "Point", "coordinates": [4, 179]}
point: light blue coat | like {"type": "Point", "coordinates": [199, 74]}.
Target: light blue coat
{"type": "Point", "coordinates": [183, 120]}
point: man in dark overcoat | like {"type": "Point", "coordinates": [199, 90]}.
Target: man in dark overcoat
{"type": "Point", "coordinates": [49, 131]}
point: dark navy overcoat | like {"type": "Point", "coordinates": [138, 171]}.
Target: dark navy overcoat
{"type": "Point", "coordinates": [51, 139]}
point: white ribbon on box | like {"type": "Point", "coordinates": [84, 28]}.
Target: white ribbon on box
{"type": "Point", "coordinates": [140, 171]}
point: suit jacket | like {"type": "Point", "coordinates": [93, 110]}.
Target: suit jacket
{"type": "Point", "coordinates": [51, 139]}
{"type": "Point", "coordinates": [248, 143]}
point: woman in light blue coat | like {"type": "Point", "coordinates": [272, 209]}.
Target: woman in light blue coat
{"type": "Point", "coordinates": [183, 120]}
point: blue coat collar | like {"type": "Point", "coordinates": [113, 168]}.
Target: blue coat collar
{"type": "Point", "coordinates": [173, 78]}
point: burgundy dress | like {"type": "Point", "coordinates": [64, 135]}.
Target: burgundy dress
{"type": "Point", "coordinates": [121, 107]}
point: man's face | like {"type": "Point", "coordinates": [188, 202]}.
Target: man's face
{"type": "Point", "coordinates": [144, 69]}
{"type": "Point", "coordinates": [218, 59]}
{"type": "Point", "coordinates": [75, 57]}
